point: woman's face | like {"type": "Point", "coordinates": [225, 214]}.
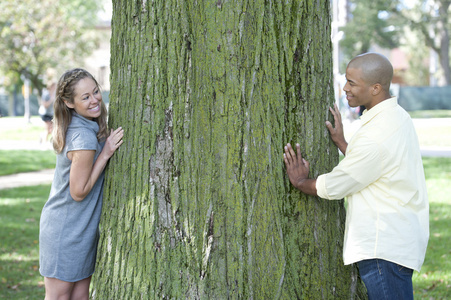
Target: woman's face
{"type": "Point", "coordinates": [87, 99]}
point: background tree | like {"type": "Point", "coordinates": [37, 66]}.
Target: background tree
{"type": "Point", "coordinates": [41, 35]}
{"type": "Point", "coordinates": [418, 58]}
{"type": "Point", "coordinates": [196, 202]}
{"type": "Point", "coordinates": [431, 19]}
{"type": "Point", "coordinates": [368, 24]}
{"type": "Point", "coordinates": [384, 22]}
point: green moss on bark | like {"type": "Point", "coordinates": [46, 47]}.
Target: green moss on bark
{"type": "Point", "coordinates": [196, 202]}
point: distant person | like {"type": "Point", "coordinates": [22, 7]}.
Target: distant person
{"type": "Point", "coordinates": [46, 110]}
{"type": "Point", "coordinates": [69, 225]}
{"type": "Point", "coordinates": [387, 216]}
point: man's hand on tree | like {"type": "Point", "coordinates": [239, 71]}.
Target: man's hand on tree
{"type": "Point", "coordinates": [297, 167]}
{"type": "Point", "coordinates": [337, 133]}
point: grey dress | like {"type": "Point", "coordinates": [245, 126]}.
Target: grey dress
{"type": "Point", "coordinates": [69, 230]}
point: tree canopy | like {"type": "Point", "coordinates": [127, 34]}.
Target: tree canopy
{"type": "Point", "coordinates": [386, 23]}
{"type": "Point", "coordinates": [368, 24]}
{"type": "Point", "coordinates": [41, 35]}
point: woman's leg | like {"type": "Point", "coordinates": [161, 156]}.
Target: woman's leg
{"type": "Point", "coordinates": [56, 289]}
{"type": "Point", "coordinates": [81, 289]}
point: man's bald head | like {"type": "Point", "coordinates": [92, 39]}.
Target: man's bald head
{"type": "Point", "coordinates": [375, 67]}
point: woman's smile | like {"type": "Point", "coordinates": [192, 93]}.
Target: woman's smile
{"type": "Point", "coordinates": [95, 109]}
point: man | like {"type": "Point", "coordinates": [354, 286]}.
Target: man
{"type": "Point", "coordinates": [387, 223]}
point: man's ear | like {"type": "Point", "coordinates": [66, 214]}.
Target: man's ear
{"type": "Point", "coordinates": [68, 104]}
{"type": "Point", "coordinates": [376, 89]}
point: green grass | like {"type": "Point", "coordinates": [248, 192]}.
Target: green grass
{"type": "Point", "coordinates": [20, 210]}
{"type": "Point", "coordinates": [437, 135]}
{"type": "Point", "coordinates": [434, 281]}
{"type": "Point", "coordinates": [16, 161]}
{"type": "Point", "coordinates": [439, 113]}
{"type": "Point", "coordinates": [19, 221]}
{"type": "Point", "coordinates": [15, 128]}
{"type": "Point", "coordinates": [19, 233]}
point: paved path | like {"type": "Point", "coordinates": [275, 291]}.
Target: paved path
{"type": "Point", "coordinates": [436, 151]}
{"type": "Point", "coordinates": [24, 145]}
{"type": "Point", "coordinates": [26, 179]}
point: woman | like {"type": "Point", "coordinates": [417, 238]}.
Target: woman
{"type": "Point", "coordinates": [70, 219]}
{"type": "Point", "coordinates": [46, 110]}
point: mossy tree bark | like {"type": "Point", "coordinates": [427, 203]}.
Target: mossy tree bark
{"type": "Point", "coordinates": [197, 204]}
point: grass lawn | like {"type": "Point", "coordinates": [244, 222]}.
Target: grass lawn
{"type": "Point", "coordinates": [19, 233]}
{"type": "Point", "coordinates": [15, 128]}
{"type": "Point", "coordinates": [19, 226]}
{"type": "Point", "coordinates": [438, 113]}
{"type": "Point", "coordinates": [434, 281]}
{"type": "Point", "coordinates": [20, 210]}
{"type": "Point", "coordinates": [435, 135]}
{"type": "Point", "coordinates": [18, 161]}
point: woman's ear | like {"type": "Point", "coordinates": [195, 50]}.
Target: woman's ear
{"type": "Point", "coordinates": [68, 104]}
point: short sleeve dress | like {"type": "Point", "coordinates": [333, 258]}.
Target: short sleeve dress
{"type": "Point", "coordinates": [69, 230]}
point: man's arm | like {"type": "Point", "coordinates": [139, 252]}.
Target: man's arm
{"type": "Point", "coordinates": [336, 133]}
{"type": "Point", "coordinates": [298, 169]}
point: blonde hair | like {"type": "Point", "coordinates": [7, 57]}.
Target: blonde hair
{"type": "Point", "coordinates": [62, 117]}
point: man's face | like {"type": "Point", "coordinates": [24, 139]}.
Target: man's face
{"type": "Point", "coordinates": [358, 92]}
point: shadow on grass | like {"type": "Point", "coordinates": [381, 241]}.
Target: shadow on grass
{"type": "Point", "coordinates": [19, 234]}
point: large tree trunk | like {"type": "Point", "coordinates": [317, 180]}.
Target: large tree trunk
{"type": "Point", "coordinates": [196, 202]}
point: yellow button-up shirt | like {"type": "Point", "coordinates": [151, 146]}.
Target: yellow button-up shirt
{"type": "Point", "coordinates": [382, 177]}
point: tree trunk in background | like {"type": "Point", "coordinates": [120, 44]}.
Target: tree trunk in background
{"type": "Point", "coordinates": [443, 32]}
{"type": "Point", "coordinates": [196, 203]}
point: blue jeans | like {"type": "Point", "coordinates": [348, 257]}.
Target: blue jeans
{"type": "Point", "coordinates": [386, 280]}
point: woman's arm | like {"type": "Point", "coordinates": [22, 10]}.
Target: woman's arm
{"type": "Point", "coordinates": [83, 173]}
